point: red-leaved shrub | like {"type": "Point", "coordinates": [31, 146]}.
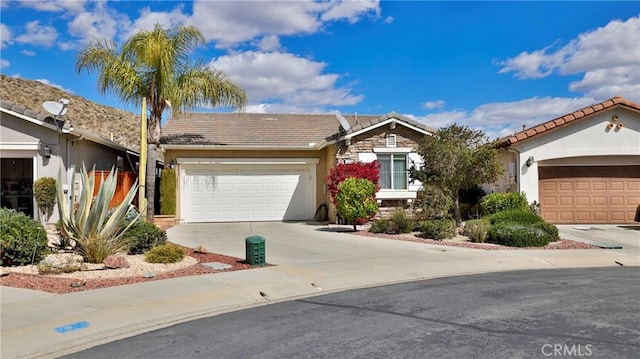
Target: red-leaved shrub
{"type": "Point", "coordinates": [342, 171]}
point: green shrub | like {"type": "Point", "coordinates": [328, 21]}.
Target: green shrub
{"type": "Point", "coordinates": [166, 253]}
{"type": "Point", "coordinates": [144, 236]}
{"type": "Point", "coordinates": [356, 199]}
{"type": "Point", "coordinates": [522, 235]}
{"type": "Point", "coordinates": [517, 216]}
{"type": "Point", "coordinates": [403, 222]}
{"type": "Point", "coordinates": [168, 192]}
{"type": "Point", "coordinates": [381, 226]}
{"type": "Point", "coordinates": [435, 203]}
{"type": "Point", "coordinates": [22, 240]}
{"type": "Point", "coordinates": [477, 230]}
{"type": "Point", "coordinates": [44, 192]}
{"type": "Point", "coordinates": [438, 229]}
{"type": "Point", "coordinates": [497, 202]}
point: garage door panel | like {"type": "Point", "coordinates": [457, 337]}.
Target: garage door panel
{"type": "Point", "coordinates": [566, 201]}
{"type": "Point", "coordinates": [616, 186]}
{"type": "Point", "coordinates": [582, 186]}
{"type": "Point", "coordinates": [583, 216]}
{"type": "Point", "coordinates": [617, 201]}
{"type": "Point", "coordinates": [247, 195]}
{"type": "Point", "coordinates": [618, 216]}
{"type": "Point", "coordinates": [605, 194]}
{"type": "Point", "coordinates": [566, 216]}
{"type": "Point", "coordinates": [583, 200]}
{"type": "Point", "coordinates": [599, 186]}
{"type": "Point", "coordinates": [599, 216]}
{"type": "Point", "coordinates": [565, 186]}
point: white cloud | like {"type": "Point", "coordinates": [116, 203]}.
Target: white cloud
{"type": "Point", "coordinates": [53, 84]}
{"type": "Point", "coordinates": [608, 56]}
{"type": "Point", "coordinates": [430, 105]}
{"type": "Point", "coordinates": [499, 119]}
{"type": "Point", "coordinates": [388, 20]}
{"type": "Point", "coordinates": [148, 19]}
{"type": "Point", "coordinates": [98, 22]}
{"type": "Point", "coordinates": [74, 6]}
{"type": "Point", "coordinates": [285, 82]}
{"type": "Point", "coordinates": [4, 63]}
{"type": "Point", "coordinates": [605, 83]}
{"type": "Point", "coordinates": [269, 43]}
{"type": "Point", "coordinates": [28, 53]}
{"type": "Point", "coordinates": [38, 35]}
{"type": "Point", "coordinates": [351, 10]}
{"type": "Point", "coordinates": [232, 22]}
{"type": "Point", "coordinates": [6, 36]}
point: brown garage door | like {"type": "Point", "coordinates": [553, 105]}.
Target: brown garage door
{"type": "Point", "coordinates": [589, 194]}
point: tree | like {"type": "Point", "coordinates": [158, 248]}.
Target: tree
{"type": "Point", "coordinates": [356, 199]}
{"type": "Point", "coordinates": [155, 65]}
{"type": "Point", "coordinates": [457, 158]}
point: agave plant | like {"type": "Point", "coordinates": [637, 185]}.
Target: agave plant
{"type": "Point", "coordinates": [96, 229]}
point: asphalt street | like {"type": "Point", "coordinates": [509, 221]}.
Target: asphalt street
{"type": "Point", "coordinates": [526, 314]}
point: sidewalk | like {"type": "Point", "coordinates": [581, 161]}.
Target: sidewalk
{"type": "Point", "coordinates": [30, 319]}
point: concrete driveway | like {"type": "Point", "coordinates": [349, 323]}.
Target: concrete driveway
{"type": "Point", "coordinates": [626, 236]}
{"type": "Point", "coordinates": [294, 242]}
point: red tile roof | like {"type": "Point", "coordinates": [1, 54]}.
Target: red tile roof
{"type": "Point", "coordinates": [568, 119]}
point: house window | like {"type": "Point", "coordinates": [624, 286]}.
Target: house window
{"type": "Point", "coordinates": [393, 171]}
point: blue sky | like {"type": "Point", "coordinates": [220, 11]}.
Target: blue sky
{"type": "Point", "coordinates": [489, 65]}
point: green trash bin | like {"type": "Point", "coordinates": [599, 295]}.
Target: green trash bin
{"type": "Point", "coordinates": [255, 249]}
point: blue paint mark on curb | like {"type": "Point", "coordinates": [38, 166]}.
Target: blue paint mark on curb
{"type": "Point", "coordinates": [71, 327]}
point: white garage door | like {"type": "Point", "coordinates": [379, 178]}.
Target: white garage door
{"type": "Point", "coordinates": [249, 195]}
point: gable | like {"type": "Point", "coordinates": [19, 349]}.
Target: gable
{"type": "Point", "coordinates": [614, 132]}
{"type": "Point", "coordinates": [569, 120]}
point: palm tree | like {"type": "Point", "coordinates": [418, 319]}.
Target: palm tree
{"type": "Point", "coordinates": [156, 65]}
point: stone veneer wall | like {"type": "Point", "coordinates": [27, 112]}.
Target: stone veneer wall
{"type": "Point", "coordinates": [377, 138]}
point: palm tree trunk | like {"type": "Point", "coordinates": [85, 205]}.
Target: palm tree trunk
{"type": "Point", "coordinates": [150, 181]}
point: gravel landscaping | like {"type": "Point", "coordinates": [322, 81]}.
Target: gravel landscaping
{"type": "Point", "coordinates": [94, 276]}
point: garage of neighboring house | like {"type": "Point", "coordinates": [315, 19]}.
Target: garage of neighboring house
{"type": "Point", "coordinates": [583, 167]}
{"type": "Point", "coordinates": [589, 194]}
{"type": "Point", "coordinates": [231, 191]}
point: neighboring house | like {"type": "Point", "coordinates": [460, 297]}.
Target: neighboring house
{"type": "Point", "coordinates": [583, 167]}
{"type": "Point", "coordinates": [33, 144]}
{"type": "Point", "coordinates": [274, 167]}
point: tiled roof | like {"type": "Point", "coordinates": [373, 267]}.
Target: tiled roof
{"type": "Point", "coordinates": [26, 97]}
{"type": "Point", "coordinates": [570, 118]}
{"type": "Point", "coordinates": [260, 129]}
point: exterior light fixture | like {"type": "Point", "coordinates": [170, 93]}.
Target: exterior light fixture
{"type": "Point", "coordinates": [529, 161]}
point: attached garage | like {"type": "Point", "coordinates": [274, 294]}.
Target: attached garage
{"type": "Point", "coordinates": [589, 194]}
{"type": "Point", "coordinates": [237, 191]}
{"type": "Point", "coordinates": [582, 167]}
